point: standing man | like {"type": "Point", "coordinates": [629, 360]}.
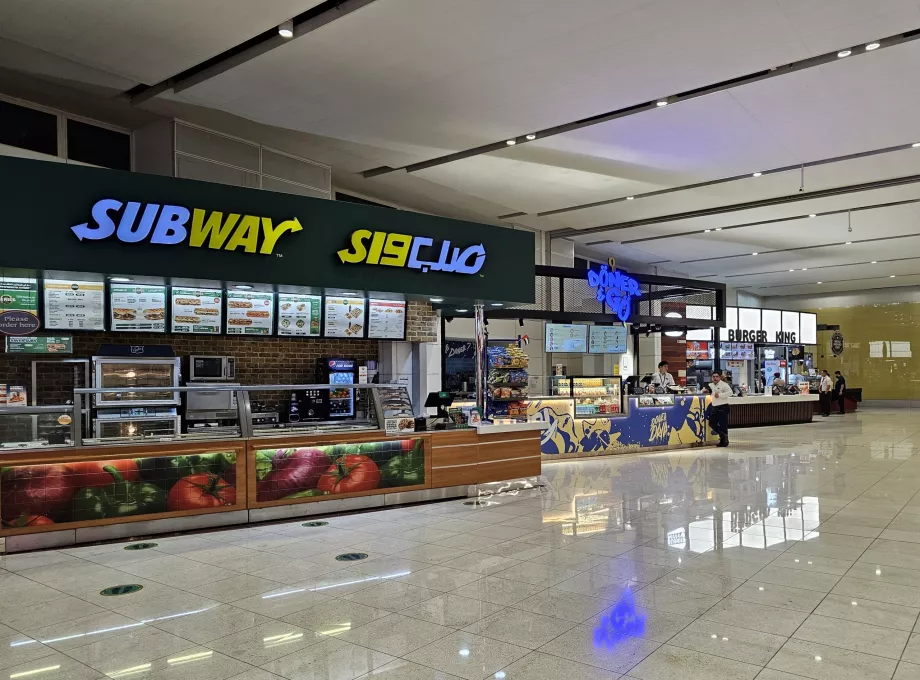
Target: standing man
{"type": "Point", "coordinates": [662, 378]}
{"type": "Point", "coordinates": [840, 387]}
{"type": "Point", "coordinates": [721, 392]}
{"type": "Point", "coordinates": [824, 393]}
{"type": "Point", "coordinates": [779, 385]}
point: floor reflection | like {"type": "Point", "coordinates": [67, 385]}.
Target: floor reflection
{"type": "Point", "coordinates": [624, 619]}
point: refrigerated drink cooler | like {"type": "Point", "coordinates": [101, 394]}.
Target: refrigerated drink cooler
{"type": "Point", "coordinates": [340, 372]}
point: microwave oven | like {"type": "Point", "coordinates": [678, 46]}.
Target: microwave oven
{"type": "Point", "coordinates": [211, 368]}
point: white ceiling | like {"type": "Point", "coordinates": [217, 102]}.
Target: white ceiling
{"type": "Point", "coordinates": [403, 81]}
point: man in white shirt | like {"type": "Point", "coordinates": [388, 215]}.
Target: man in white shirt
{"type": "Point", "coordinates": [662, 378]}
{"type": "Point", "coordinates": [824, 393]}
{"type": "Point", "coordinates": [721, 392]}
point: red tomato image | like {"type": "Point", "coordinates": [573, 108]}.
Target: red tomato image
{"type": "Point", "coordinates": [350, 473]}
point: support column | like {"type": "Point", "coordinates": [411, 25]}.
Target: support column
{"type": "Point", "coordinates": [479, 330]}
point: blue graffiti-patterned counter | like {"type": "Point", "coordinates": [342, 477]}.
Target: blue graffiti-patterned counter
{"type": "Point", "coordinates": [683, 424]}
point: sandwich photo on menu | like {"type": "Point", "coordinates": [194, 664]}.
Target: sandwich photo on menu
{"type": "Point", "coordinates": [124, 314]}
{"type": "Point", "coordinates": [155, 314]}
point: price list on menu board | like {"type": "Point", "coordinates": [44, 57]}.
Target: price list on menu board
{"type": "Point", "coordinates": [566, 337]}
{"type": "Point", "coordinates": [76, 305]}
{"type": "Point", "coordinates": [249, 313]}
{"type": "Point", "coordinates": [138, 308]}
{"type": "Point", "coordinates": [344, 317]}
{"type": "Point", "coordinates": [299, 314]}
{"type": "Point", "coordinates": [607, 340]}
{"type": "Point", "coordinates": [386, 320]}
{"type": "Point", "coordinates": [196, 311]}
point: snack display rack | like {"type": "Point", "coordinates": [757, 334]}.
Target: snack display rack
{"type": "Point", "coordinates": [593, 395]}
{"type": "Point", "coordinates": [507, 382]}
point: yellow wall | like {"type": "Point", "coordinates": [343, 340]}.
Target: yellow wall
{"type": "Point", "coordinates": [881, 350]}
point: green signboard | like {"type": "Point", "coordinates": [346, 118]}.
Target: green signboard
{"type": "Point", "coordinates": [108, 221]}
{"type": "Point", "coordinates": [20, 295]}
{"type": "Point", "coordinates": [30, 344]}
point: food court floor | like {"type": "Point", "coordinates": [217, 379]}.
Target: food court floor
{"type": "Point", "coordinates": [794, 553]}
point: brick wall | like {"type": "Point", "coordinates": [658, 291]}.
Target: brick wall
{"type": "Point", "coordinates": [421, 322]}
{"type": "Point", "coordinates": [265, 360]}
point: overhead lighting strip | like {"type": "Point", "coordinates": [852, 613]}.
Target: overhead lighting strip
{"type": "Point", "coordinates": [793, 250]}
{"type": "Point", "coordinates": [660, 102]}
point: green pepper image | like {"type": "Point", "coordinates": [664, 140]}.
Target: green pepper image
{"type": "Point", "coordinates": [405, 469]}
{"type": "Point", "coordinates": [118, 499]}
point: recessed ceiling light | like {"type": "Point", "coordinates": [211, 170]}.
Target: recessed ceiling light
{"type": "Point", "coordinates": [460, 311]}
{"type": "Point", "coordinates": [755, 253]}
{"type": "Point", "coordinates": [915, 144]}
{"type": "Point", "coordinates": [120, 279]}
{"type": "Point", "coordinates": [820, 282]}
{"type": "Point", "coordinates": [892, 276]}
{"type": "Point", "coordinates": [436, 299]}
{"type": "Point", "coordinates": [661, 102]}
{"type": "Point", "coordinates": [706, 231]}
{"type": "Point", "coordinates": [804, 269]}
{"type": "Point", "coordinates": [511, 142]}
{"type": "Point", "coordinates": [792, 270]}
{"type": "Point", "coordinates": [286, 30]}
{"type": "Point", "coordinates": [844, 53]}
{"type": "Point", "coordinates": [848, 243]}
{"type": "Point", "coordinates": [243, 286]}
{"type": "Point", "coordinates": [531, 137]}
{"type": "Point", "coordinates": [718, 228]}
{"type": "Point", "coordinates": [812, 215]}
{"type": "Point", "coordinates": [498, 304]}
{"type": "Point", "coordinates": [757, 174]}
{"type": "Point", "coordinates": [874, 262]}
{"type": "Point", "coordinates": [630, 198]}
{"type": "Point", "coordinates": [872, 46]}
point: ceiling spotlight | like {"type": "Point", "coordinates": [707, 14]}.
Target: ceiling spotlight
{"type": "Point", "coordinates": [460, 311]}
{"type": "Point", "coordinates": [243, 286]}
{"type": "Point", "coordinates": [511, 142]}
{"type": "Point", "coordinates": [820, 282]}
{"type": "Point", "coordinates": [892, 276]}
{"type": "Point", "coordinates": [848, 243]}
{"type": "Point", "coordinates": [874, 262]}
{"type": "Point", "coordinates": [718, 228]}
{"type": "Point", "coordinates": [792, 270]}
{"type": "Point", "coordinates": [804, 269]}
{"type": "Point", "coordinates": [630, 198]}
{"type": "Point", "coordinates": [915, 144]}
{"type": "Point", "coordinates": [872, 46]}
{"type": "Point", "coordinates": [286, 30]}
{"type": "Point", "coordinates": [120, 279]}
{"type": "Point", "coordinates": [844, 53]}
{"type": "Point", "coordinates": [661, 102]}
{"type": "Point", "coordinates": [755, 253]}
{"type": "Point", "coordinates": [498, 304]}
{"type": "Point", "coordinates": [531, 137]}
{"type": "Point", "coordinates": [706, 231]}
{"type": "Point", "coordinates": [436, 299]}
{"type": "Point", "coordinates": [757, 174]}
{"type": "Point", "coordinates": [812, 215]}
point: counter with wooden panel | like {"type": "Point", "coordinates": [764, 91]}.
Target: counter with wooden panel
{"type": "Point", "coordinates": [61, 496]}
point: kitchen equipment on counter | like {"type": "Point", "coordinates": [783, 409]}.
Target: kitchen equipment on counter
{"type": "Point", "coordinates": [211, 368]}
{"type": "Point", "coordinates": [212, 410]}
{"type": "Point", "coordinates": [137, 422]}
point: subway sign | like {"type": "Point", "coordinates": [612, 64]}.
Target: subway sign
{"type": "Point", "coordinates": [168, 225]}
{"type": "Point", "coordinates": [780, 338]}
{"type": "Point", "coordinates": [414, 252]}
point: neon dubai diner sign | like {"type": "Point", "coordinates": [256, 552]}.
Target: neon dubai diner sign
{"type": "Point", "coordinates": [614, 288]}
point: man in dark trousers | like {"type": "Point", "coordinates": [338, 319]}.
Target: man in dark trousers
{"type": "Point", "coordinates": [718, 420]}
{"type": "Point", "coordinates": [840, 386]}
{"type": "Point", "coordinates": [825, 390]}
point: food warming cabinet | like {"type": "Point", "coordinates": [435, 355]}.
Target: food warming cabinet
{"type": "Point", "coordinates": [121, 374]}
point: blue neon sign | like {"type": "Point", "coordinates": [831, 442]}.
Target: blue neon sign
{"type": "Point", "coordinates": [616, 289]}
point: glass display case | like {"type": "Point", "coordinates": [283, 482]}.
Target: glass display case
{"type": "Point", "coordinates": [560, 386]}
{"type": "Point", "coordinates": [119, 377]}
{"type": "Point", "coordinates": [597, 396]}
{"type": "Point", "coordinates": [35, 427]}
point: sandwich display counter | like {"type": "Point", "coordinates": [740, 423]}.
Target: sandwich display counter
{"type": "Point", "coordinates": [63, 489]}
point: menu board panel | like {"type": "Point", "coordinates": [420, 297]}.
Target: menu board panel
{"type": "Point", "coordinates": [386, 319]}
{"type": "Point", "coordinates": [196, 311]}
{"type": "Point", "coordinates": [566, 337]}
{"type": "Point", "coordinates": [249, 313]}
{"type": "Point", "coordinates": [607, 340]}
{"type": "Point", "coordinates": [77, 305]}
{"type": "Point", "coordinates": [19, 295]}
{"type": "Point", "coordinates": [344, 317]}
{"type": "Point", "coordinates": [698, 350]}
{"type": "Point", "coordinates": [299, 314]}
{"type": "Point", "coordinates": [138, 308]}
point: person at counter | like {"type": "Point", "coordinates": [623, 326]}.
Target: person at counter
{"type": "Point", "coordinates": [662, 380]}
{"type": "Point", "coordinates": [840, 386]}
{"type": "Point", "coordinates": [824, 393]}
{"type": "Point", "coordinates": [721, 392]}
{"type": "Point", "coordinates": [779, 385]}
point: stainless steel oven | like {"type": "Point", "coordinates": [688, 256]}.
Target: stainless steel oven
{"type": "Point", "coordinates": [211, 368]}
{"type": "Point", "coordinates": [121, 375]}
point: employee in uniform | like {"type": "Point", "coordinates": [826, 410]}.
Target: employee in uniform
{"type": "Point", "coordinates": [840, 387]}
{"type": "Point", "coordinates": [824, 393]}
{"type": "Point", "coordinates": [718, 420]}
{"type": "Point", "coordinates": [779, 385]}
{"type": "Point", "coordinates": [662, 378]}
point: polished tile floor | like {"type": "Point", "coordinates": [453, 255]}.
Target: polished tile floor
{"type": "Point", "coordinates": [794, 553]}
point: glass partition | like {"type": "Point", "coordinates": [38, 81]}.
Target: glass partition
{"type": "Point", "coordinates": [35, 427]}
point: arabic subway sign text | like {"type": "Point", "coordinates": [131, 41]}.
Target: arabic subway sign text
{"type": "Point", "coordinates": [109, 221]}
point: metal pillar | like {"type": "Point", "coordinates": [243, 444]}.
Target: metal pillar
{"type": "Point", "coordinates": [479, 330]}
